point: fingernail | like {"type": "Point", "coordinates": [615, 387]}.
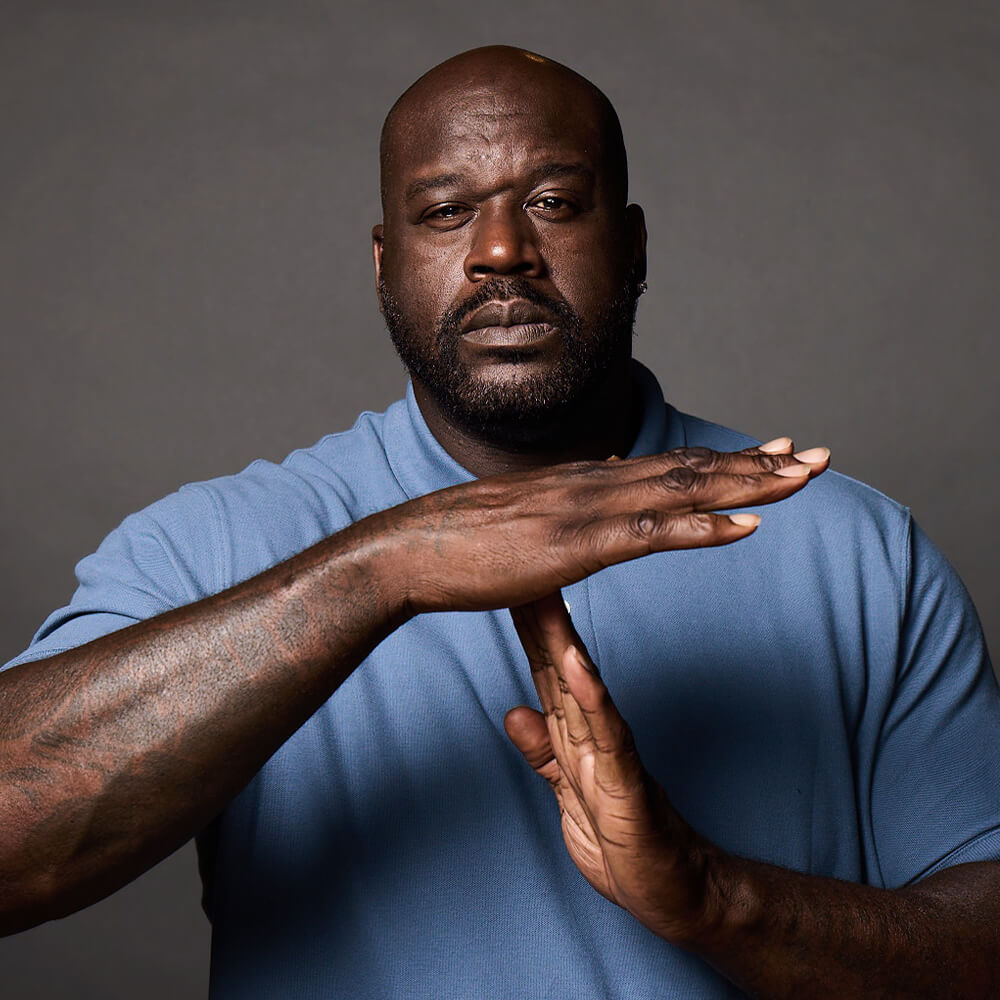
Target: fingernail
{"type": "Point", "coordinates": [793, 471]}
{"type": "Point", "coordinates": [745, 520]}
{"type": "Point", "coordinates": [614, 458]}
{"type": "Point", "coordinates": [773, 447]}
{"type": "Point", "coordinates": [813, 455]}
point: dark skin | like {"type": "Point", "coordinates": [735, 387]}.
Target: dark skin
{"type": "Point", "coordinates": [122, 749]}
{"type": "Point", "coordinates": [117, 752]}
{"type": "Point", "coordinates": [775, 933]}
{"type": "Point", "coordinates": [522, 186]}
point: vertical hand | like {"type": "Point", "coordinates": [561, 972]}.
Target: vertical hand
{"type": "Point", "coordinates": [619, 828]}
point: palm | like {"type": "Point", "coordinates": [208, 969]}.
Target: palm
{"type": "Point", "coordinates": [619, 828]}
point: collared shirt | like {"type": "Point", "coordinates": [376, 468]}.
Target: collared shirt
{"type": "Point", "coordinates": [817, 696]}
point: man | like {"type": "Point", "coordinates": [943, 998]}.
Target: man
{"type": "Point", "coordinates": [273, 659]}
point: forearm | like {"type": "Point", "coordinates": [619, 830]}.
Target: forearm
{"type": "Point", "coordinates": [780, 934]}
{"type": "Point", "coordinates": [115, 753]}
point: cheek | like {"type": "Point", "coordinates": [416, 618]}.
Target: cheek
{"type": "Point", "coordinates": [424, 279]}
{"type": "Point", "coordinates": [588, 273]}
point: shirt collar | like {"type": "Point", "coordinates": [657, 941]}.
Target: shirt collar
{"type": "Point", "coordinates": [421, 465]}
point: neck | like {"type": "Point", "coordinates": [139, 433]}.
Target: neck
{"type": "Point", "coordinates": [607, 426]}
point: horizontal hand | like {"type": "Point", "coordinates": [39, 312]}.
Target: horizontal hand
{"type": "Point", "coordinates": [506, 540]}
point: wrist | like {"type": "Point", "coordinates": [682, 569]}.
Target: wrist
{"type": "Point", "coordinates": [377, 560]}
{"type": "Point", "coordinates": [728, 906]}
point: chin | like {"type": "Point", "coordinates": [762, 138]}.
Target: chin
{"type": "Point", "coordinates": [518, 409]}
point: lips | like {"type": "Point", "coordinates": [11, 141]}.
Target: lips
{"type": "Point", "coordinates": [512, 323]}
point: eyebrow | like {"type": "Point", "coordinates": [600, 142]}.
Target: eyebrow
{"type": "Point", "coordinates": [430, 183]}
{"type": "Point", "coordinates": [546, 170]}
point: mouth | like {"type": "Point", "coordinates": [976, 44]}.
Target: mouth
{"type": "Point", "coordinates": [515, 335]}
{"type": "Point", "coordinates": [512, 323]}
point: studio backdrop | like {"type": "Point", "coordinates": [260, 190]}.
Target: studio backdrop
{"type": "Point", "coordinates": [186, 197]}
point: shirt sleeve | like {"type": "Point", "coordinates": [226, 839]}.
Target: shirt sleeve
{"type": "Point", "coordinates": [936, 778]}
{"type": "Point", "coordinates": [160, 558]}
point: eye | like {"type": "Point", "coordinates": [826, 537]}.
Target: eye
{"type": "Point", "coordinates": [554, 206]}
{"type": "Point", "coordinates": [445, 216]}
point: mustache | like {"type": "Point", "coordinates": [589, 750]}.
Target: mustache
{"type": "Point", "coordinates": [501, 289]}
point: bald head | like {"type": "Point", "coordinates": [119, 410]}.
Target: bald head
{"type": "Point", "coordinates": [504, 209]}
{"type": "Point", "coordinates": [482, 88]}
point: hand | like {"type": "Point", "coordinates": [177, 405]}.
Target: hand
{"type": "Point", "coordinates": [507, 540]}
{"type": "Point", "coordinates": [774, 932]}
{"type": "Point", "coordinates": [620, 830]}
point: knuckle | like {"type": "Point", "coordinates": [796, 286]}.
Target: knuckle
{"type": "Point", "coordinates": [644, 524]}
{"type": "Point", "coordinates": [680, 480]}
{"type": "Point", "coordinates": [700, 459]}
{"type": "Point", "coordinates": [768, 463]}
{"type": "Point", "coordinates": [761, 465]}
{"type": "Point", "coordinates": [703, 524]}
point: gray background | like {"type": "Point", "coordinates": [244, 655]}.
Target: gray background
{"type": "Point", "coordinates": [186, 194]}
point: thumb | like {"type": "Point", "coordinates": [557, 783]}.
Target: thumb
{"type": "Point", "coordinates": [529, 733]}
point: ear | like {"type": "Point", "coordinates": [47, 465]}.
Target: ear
{"type": "Point", "coordinates": [636, 222]}
{"type": "Point", "coordinates": [377, 251]}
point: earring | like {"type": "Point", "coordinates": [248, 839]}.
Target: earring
{"type": "Point", "coordinates": [642, 288]}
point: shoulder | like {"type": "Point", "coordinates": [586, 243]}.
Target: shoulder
{"type": "Point", "coordinates": [841, 543]}
{"type": "Point", "coordinates": [210, 535]}
{"type": "Point", "coordinates": [246, 522]}
{"type": "Point", "coordinates": [833, 494]}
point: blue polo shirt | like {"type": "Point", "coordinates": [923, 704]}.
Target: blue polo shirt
{"type": "Point", "coordinates": [817, 696]}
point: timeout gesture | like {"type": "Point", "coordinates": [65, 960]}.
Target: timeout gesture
{"type": "Point", "coordinates": [619, 827]}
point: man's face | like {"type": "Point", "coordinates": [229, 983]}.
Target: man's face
{"type": "Point", "coordinates": [507, 264]}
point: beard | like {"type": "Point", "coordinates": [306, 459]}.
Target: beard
{"type": "Point", "coordinates": [536, 409]}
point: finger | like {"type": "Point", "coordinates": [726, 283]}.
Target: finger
{"type": "Point", "coordinates": [750, 461]}
{"type": "Point", "coordinates": [682, 490]}
{"type": "Point", "coordinates": [818, 459]}
{"type": "Point", "coordinates": [557, 632]}
{"type": "Point", "coordinates": [777, 446]}
{"type": "Point", "coordinates": [547, 632]}
{"type": "Point", "coordinates": [771, 455]}
{"type": "Point", "coordinates": [615, 767]}
{"type": "Point", "coordinates": [590, 741]}
{"type": "Point", "coordinates": [549, 621]}
{"type": "Point", "coordinates": [529, 631]}
{"type": "Point", "coordinates": [528, 731]}
{"type": "Point", "coordinates": [630, 536]}
{"type": "Point", "coordinates": [609, 732]}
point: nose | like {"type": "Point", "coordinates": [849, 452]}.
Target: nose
{"type": "Point", "coordinates": [503, 242]}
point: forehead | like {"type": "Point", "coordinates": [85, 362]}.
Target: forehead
{"type": "Point", "coordinates": [480, 127]}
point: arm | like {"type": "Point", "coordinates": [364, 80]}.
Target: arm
{"type": "Point", "coordinates": [774, 932]}
{"type": "Point", "coordinates": [115, 753]}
